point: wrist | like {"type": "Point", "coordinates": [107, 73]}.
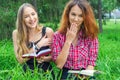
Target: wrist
{"type": "Point", "coordinates": [37, 47]}
{"type": "Point", "coordinates": [68, 42]}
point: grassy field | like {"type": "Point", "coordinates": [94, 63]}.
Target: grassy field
{"type": "Point", "coordinates": [108, 59]}
{"type": "Point", "coordinates": [109, 52]}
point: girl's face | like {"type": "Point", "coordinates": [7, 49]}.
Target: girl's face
{"type": "Point", "coordinates": [30, 17]}
{"type": "Point", "coordinates": [75, 16]}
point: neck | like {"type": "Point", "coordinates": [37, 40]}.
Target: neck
{"type": "Point", "coordinates": [32, 31]}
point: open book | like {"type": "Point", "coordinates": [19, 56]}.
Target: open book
{"type": "Point", "coordinates": [37, 54]}
{"type": "Point", "coordinates": [85, 72]}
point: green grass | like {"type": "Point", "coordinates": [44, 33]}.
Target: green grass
{"type": "Point", "coordinates": [108, 58]}
{"type": "Point", "coordinates": [109, 52]}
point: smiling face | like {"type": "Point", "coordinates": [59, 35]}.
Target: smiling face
{"type": "Point", "coordinates": [75, 16]}
{"type": "Point", "coordinates": [30, 17]}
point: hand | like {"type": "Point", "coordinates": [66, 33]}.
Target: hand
{"type": "Point", "coordinates": [90, 67]}
{"type": "Point", "coordinates": [44, 42]}
{"type": "Point", "coordinates": [41, 59]}
{"type": "Point", "coordinates": [71, 33]}
{"type": "Point", "coordinates": [84, 77]}
{"type": "Point", "coordinates": [44, 59]}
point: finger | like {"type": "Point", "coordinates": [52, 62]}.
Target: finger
{"type": "Point", "coordinates": [67, 29]}
{"type": "Point", "coordinates": [38, 58]}
{"type": "Point", "coordinates": [49, 42]}
{"type": "Point", "coordinates": [45, 36]}
{"type": "Point", "coordinates": [42, 57]}
{"type": "Point", "coordinates": [49, 39]}
{"type": "Point", "coordinates": [40, 61]}
{"type": "Point", "coordinates": [73, 27]}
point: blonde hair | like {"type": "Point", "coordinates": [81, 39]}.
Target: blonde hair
{"type": "Point", "coordinates": [22, 30]}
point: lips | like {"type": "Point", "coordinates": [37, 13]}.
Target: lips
{"type": "Point", "coordinates": [32, 22]}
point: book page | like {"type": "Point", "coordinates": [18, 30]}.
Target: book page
{"type": "Point", "coordinates": [85, 72]}
{"type": "Point", "coordinates": [29, 55]}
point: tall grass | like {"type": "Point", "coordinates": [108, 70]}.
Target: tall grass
{"type": "Point", "coordinates": [108, 58]}
{"type": "Point", "coordinates": [109, 52]}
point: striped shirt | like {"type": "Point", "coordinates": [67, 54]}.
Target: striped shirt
{"type": "Point", "coordinates": [80, 56]}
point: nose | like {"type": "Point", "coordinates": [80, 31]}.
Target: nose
{"type": "Point", "coordinates": [31, 17]}
{"type": "Point", "coordinates": [76, 18]}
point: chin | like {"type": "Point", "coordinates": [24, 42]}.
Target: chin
{"type": "Point", "coordinates": [34, 25]}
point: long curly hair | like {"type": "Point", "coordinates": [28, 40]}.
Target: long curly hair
{"type": "Point", "coordinates": [22, 30]}
{"type": "Point", "coordinates": [89, 26]}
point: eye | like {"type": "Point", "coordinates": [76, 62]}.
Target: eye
{"type": "Point", "coordinates": [26, 16]}
{"type": "Point", "coordinates": [73, 14]}
{"type": "Point", "coordinates": [80, 15]}
{"type": "Point", "coordinates": [33, 13]}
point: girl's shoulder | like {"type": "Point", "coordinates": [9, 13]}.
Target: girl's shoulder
{"type": "Point", "coordinates": [14, 35]}
{"type": "Point", "coordinates": [14, 32]}
{"type": "Point", "coordinates": [49, 30]}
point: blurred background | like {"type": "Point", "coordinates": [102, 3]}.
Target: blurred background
{"type": "Point", "coordinates": [107, 14]}
{"type": "Point", "coordinates": [50, 11]}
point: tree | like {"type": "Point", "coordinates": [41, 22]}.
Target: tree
{"type": "Point", "coordinates": [34, 4]}
{"type": "Point", "coordinates": [108, 6]}
{"type": "Point", "coordinates": [100, 15]}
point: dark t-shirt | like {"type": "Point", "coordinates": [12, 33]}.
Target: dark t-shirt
{"type": "Point", "coordinates": [32, 63]}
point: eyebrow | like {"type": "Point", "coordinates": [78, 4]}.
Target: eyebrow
{"type": "Point", "coordinates": [75, 13]}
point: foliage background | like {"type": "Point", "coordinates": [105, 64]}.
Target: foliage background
{"type": "Point", "coordinates": [47, 11]}
{"type": "Point", "coordinates": [49, 15]}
